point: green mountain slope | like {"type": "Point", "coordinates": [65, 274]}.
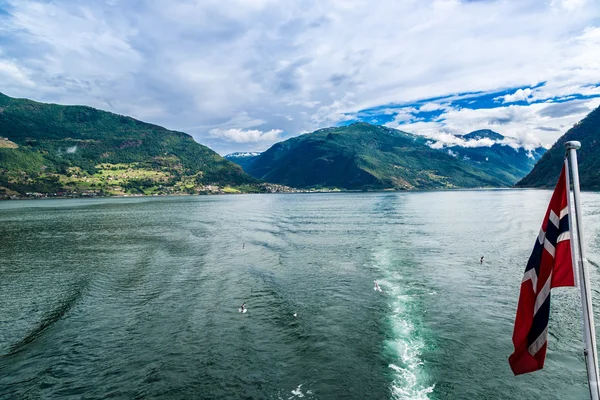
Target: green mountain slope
{"type": "Point", "coordinates": [59, 142]}
{"type": "Point", "coordinates": [364, 156]}
{"type": "Point", "coordinates": [546, 171]}
{"type": "Point", "coordinates": [499, 160]}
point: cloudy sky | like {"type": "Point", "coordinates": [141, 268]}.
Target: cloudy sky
{"type": "Point", "coordinates": [240, 75]}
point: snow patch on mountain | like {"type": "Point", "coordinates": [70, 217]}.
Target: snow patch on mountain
{"type": "Point", "coordinates": [243, 154]}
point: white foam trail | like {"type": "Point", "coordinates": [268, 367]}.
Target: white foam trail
{"type": "Point", "coordinates": [409, 380]}
{"type": "Point", "coordinates": [297, 393]}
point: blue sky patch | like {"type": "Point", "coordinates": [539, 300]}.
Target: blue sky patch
{"type": "Point", "coordinates": [411, 111]}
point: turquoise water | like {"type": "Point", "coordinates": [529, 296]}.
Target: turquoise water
{"type": "Point", "coordinates": [138, 298]}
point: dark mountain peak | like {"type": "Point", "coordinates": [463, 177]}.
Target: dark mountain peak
{"type": "Point", "coordinates": [366, 129]}
{"type": "Point", "coordinates": [368, 125]}
{"type": "Point", "coordinates": [364, 156]}
{"type": "Point", "coordinates": [546, 171]}
{"type": "Point", "coordinates": [243, 159]}
{"type": "Point", "coordinates": [353, 127]}
{"type": "Point", "coordinates": [357, 130]}
{"type": "Point", "coordinates": [483, 134]}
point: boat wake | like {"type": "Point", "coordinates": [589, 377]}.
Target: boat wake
{"type": "Point", "coordinates": [49, 319]}
{"type": "Point", "coordinates": [405, 347]}
{"type": "Point", "coordinates": [298, 393]}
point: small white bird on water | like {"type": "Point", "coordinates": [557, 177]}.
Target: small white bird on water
{"type": "Point", "coordinates": [377, 288]}
{"type": "Point", "coordinates": [295, 315]}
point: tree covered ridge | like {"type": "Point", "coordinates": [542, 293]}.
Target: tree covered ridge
{"type": "Point", "coordinates": [364, 156]}
{"type": "Point", "coordinates": [55, 138]}
{"type": "Point", "coordinates": [546, 171]}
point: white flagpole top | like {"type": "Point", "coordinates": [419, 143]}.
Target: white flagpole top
{"type": "Point", "coordinates": [573, 144]}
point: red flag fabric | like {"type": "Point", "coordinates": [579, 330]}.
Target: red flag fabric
{"type": "Point", "coordinates": [550, 265]}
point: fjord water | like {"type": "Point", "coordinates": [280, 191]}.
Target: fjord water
{"type": "Point", "coordinates": [138, 298]}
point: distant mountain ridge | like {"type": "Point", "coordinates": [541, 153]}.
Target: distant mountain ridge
{"type": "Point", "coordinates": [482, 134]}
{"type": "Point", "coordinates": [546, 171]}
{"type": "Point", "coordinates": [364, 156]}
{"type": "Point", "coordinates": [49, 148]}
{"type": "Point", "coordinates": [243, 159]}
{"type": "Point", "coordinates": [500, 159]}
{"type": "Point", "coordinates": [74, 149]}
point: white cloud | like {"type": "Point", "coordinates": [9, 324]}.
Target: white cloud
{"type": "Point", "coordinates": [446, 139]}
{"type": "Point", "coordinates": [296, 66]}
{"type": "Point", "coordinates": [431, 107]}
{"type": "Point", "coordinates": [519, 95]}
{"type": "Point", "coordinates": [568, 5]}
{"type": "Point", "coordinates": [9, 71]}
{"type": "Point", "coordinates": [404, 114]}
{"type": "Point", "coordinates": [527, 126]}
{"type": "Point", "coordinates": [246, 136]}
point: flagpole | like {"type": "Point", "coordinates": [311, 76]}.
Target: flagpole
{"type": "Point", "coordinates": [589, 332]}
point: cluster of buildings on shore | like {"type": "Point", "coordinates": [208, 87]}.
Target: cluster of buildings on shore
{"type": "Point", "coordinates": [57, 195]}
{"type": "Point", "coordinates": [163, 191]}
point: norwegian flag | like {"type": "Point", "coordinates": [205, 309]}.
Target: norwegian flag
{"type": "Point", "coordinates": [549, 266]}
